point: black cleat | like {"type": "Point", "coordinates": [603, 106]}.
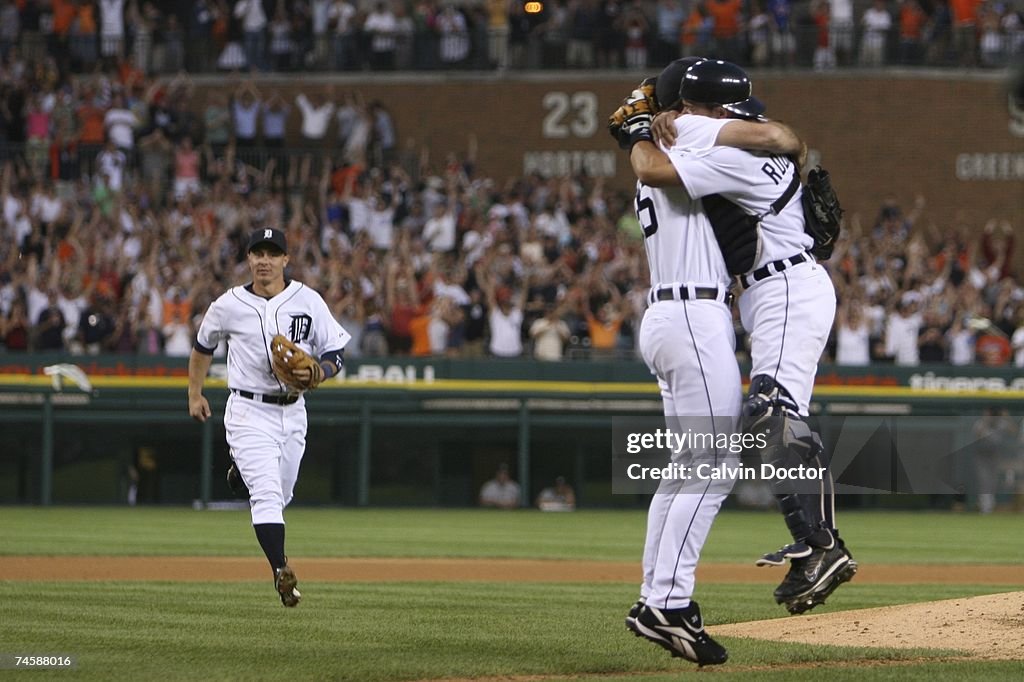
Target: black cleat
{"type": "Point", "coordinates": [634, 611]}
{"type": "Point", "coordinates": [680, 632]}
{"type": "Point", "coordinates": [812, 579]}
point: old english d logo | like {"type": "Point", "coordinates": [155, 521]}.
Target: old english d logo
{"type": "Point", "coordinates": [298, 328]}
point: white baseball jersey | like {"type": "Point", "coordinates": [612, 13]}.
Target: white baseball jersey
{"type": "Point", "coordinates": [678, 239]}
{"type": "Point", "coordinates": [267, 439]}
{"type": "Point", "coordinates": [789, 314]}
{"type": "Point", "coordinates": [248, 322]}
{"type": "Point", "coordinates": [751, 180]}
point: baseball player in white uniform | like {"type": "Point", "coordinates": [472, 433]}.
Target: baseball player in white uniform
{"type": "Point", "coordinates": [786, 303]}
{"type": "Point", "coordinates": [687, 340]}
{"type": "Point", "coordinates": [264, 421]}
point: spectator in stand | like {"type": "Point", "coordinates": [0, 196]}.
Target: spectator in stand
{"type": "Point", "coordinates": [902, 332]}
{"type": "Point", "coordinates": [111, 29]}
{"type": "Point", "coordinates": [506, 316]}
{"type": "Point", "coordinates": [281, 44]}
{"type": "Point", "coordinates": [48, 331]}
{"type": "Point", "coordinates": [912, 20]}
{"type": "Point", "coordinates": [961, 341]}
{"type": "Point", "coordinates": [932, 343]}
{"type": "Point", "coordinates": [120, 124]}
{"type": "Point", "coordinates": [342, 16]}
{"type": "Point", "coordinates": [401, 306]}
{"type": "Point", "coordinates": [824, 48]}
{"type": "Point", "coordinates": [316, 113]}
{"type": "Point", "coordinates": [759, 34]}
{"type": "Point", "coordinates": [475, 315]}
{"type": "Point", "coordinates": [584, 16]}
{"type": "Point", "coordinates": [439, 230]}
{"type": "Point", "coordinates": [245, 110]}
{"type": "Point", "coordinates": [498, 33]}
{"type": "Point", "coordinates": [783, 40]}
{"type": "Point", "coordinates": [669, 18]}
{"type": "Point", "coordinates": [186, 170]}
{"type": "Point", "coordinates": [15, 331]}
{"type": "Point", "coordinates": [853, 335]}
{"type": "Point", "coordinates": [380, 25]}
{"type": "Point", "coordinates": [876, 23]}
{"type": "Point", "coordinates": [727, 16]}
{"type": "Point", "coordinates": [965, 30]}
{"type": "Point", "coordinates": [111, 167]}
{"type": "Point", "coordinates": [841, 30]}
{"type": "Point", "coordinates": [453, 32]}
{"type": "Point", "coordinates": [253, 17]}
{"type": "Point", "coordinates": [549, 335]}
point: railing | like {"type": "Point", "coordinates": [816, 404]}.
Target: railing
{"type": "Point", "coordinates": [422, 50]}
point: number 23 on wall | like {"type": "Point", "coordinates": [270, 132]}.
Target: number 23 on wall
{"type": "Point", "coordinates": [569, 114]}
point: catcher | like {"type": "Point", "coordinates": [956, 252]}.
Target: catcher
{"type": "Point", "coordinates": [275, 328]}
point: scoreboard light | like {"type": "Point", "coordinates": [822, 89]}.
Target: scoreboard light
{"type": "Point", "coordinates": [534, 7]}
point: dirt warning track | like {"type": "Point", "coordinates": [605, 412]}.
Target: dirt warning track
{"type": "Point", "coordinates": [232, 569]}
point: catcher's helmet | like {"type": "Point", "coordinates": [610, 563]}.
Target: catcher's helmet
{"type": "Point", "coordinates": [666, 89]}
{"type": "Point", "coordinates": [721, 83]}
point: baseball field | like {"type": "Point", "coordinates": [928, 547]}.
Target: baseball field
{"type": "Point", "coordinates": [389, 595]}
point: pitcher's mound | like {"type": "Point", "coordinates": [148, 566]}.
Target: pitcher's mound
{"type": "Point", "coordinates": [991, 626]}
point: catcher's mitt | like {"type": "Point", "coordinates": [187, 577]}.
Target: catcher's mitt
{"type": "Point", "coordinates": [294, 367]}
{"type": "Point", "coordinates": [822, 212]}
{"type": "Point", "coordinates": [629, 122]}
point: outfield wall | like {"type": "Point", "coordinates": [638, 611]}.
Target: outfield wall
{"type": "Point", "coordinates": [424, 432]}
{"type": "Point", "coordinates": [956, 139]}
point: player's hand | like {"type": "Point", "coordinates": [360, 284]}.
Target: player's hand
{"type": "Point", "coordinates": [636, 114]}
{"type": "Point", "coordinates": [664, 128]}
{"type": "Point", "coordinates": [199, 408]}
{"type": "Point", "coordinates": [642, 99]}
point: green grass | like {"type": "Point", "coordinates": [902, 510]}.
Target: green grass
{"type": "Point", "coordinates": [390, 632]}
{"type": "Point", "coordinates": [875, 537]}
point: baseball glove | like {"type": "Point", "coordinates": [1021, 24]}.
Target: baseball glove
{"type": "Point", "coordinates": [294, 367]}
{"type": "Point", "coordinates": [822, 212]}
{"type": "Point", "coordinates": [633, 118]}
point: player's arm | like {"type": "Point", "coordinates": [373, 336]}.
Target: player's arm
{"type": "Point", "coordinates": [331, 362]}
{"type": "Point", "coordinates": [766, 136]}
{"type": "Point", "coordinates": [771, 136]}
{"type": "Point", "coordinates": [198, 366]}
{"type": "Point", "coordinates": [652, 166]}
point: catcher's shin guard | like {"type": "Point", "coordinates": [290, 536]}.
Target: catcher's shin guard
{"type": "Point", "coordinates": [789, 443]}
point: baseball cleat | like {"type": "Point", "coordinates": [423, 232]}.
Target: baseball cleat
{"type": "Point", "coordinates": [813, 578]}
{"type": "Point", "coordinates": [797, 550]}
{"type": "Point", "coordinates": [680, 632]}
{"type": "Point", "coordinates": [634, 611]}
{"type": "Point", "coordinates": [285, 582]}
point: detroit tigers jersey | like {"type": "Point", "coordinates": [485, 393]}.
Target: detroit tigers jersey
{"type": "Point", "coordinates": [752, 180]}
{"type": "Point", "coordinates": [248, 322]}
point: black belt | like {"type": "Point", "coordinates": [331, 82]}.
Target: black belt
{"type": "Point", "coordinates": [682, 293]}
{"type": "Point", "coordinates": [773, 268]}
{"type": "Point", "coordinates": [269, 399]}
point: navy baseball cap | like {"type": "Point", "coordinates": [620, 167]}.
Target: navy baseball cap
{"type": "Point", "coordinates": [268, 235]}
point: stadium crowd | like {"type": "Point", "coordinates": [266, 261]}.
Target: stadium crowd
{"type": "Point", "coordinates": [126, 204]}
{"type": "Point", "coordinates": [338, 35]}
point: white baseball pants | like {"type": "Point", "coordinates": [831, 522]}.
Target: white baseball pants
{"type": "Point", "coordinates": [789, 316]}
{"type": "Point", "coordinates": [267, 443]}
{"type": "Point", "coordinates": [690, 346]}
